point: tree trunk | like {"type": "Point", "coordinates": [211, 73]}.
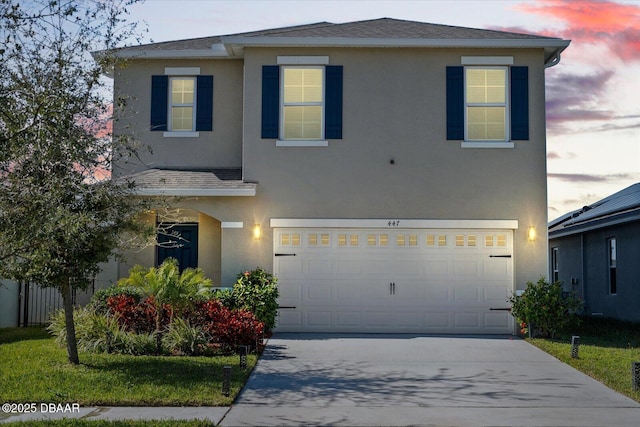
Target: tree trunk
{"type": "Point", "coordinates": [72, 347]}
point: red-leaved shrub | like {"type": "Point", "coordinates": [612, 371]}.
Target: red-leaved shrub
{"type": "Point", "coordinates": [227, 327]}
{"type": "Point", "coordinates": [136, 316]}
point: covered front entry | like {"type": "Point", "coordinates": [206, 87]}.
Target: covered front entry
{"type": "Point", "coordinates": [394, 279]}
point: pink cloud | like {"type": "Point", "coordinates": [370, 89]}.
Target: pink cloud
{"type": "Point", "coordinates": [615, 25]}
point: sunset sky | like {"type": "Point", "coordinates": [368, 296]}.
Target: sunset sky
{"type": "Point", "coordinates": [593, 95]}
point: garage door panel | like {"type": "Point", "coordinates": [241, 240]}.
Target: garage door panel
{"type": "Point", "coordinates": [437, 268]}
{"type": "Point", "coordinates": [317, 266]}
{"type": "Point", "coordinates": [467, 267]}
{"type": "Point", "coordinates": [496, 294]}
{"type": "Point", "coordinates": [430, 281]}
{"type": "Point", "coordinates": [319, 318]}
{"type": "Point", "coordinates": [496, 319]}
{"type": "Point", "coordinates": [438, 294]}
{"type": "Point", "coordinates": [318, 292]}
{"type": "Point", "coordinates": [376, 266]}
{"type": "Point", "coordinates": [349, 266]}
{"type": "Point", "coordinates": [437, 320]}
{"type": "Point", "coordinates": [466, 294]}
{"type": "Point", "coordinates": [466, 320]}
{"type": "Point", "coordinates": [348, 319]}
{"type": "Point", "coordinates": [290, 319]}
{"type": "Point", "coordinates": [288, 266]}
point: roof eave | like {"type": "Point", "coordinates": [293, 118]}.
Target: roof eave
{"type": "Point", "coordinates": [596, 223]}
{"type": "Point", "coordinates": [552, 47]}
{"type": "Point", "coordinates": [196, 192]}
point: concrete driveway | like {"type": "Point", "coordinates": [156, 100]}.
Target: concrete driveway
{"type": "Point", "coordinates": [319, 379]}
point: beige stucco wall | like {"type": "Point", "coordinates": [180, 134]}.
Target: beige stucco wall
{"type": "Point", "coordinates": [394, 108]}
{"type": "Point", "coordinates": [220, 148]}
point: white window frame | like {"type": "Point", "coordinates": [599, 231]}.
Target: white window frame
{"type": "Point", "coordinates": [181, 72]}
{"type": "Point", "coordinates": [506, 106]}
{"type": "Point", "coordinates": [291, 64]}
{"type": "Point", "coordinates": [171, 105]}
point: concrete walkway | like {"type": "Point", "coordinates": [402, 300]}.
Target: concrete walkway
{"type": "Point", "coordinates": [421, 380]}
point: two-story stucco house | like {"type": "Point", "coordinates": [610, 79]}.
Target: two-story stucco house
{"type": "Point", "coordinates": [390, 173]}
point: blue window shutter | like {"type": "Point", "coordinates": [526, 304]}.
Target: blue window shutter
{"type": "Point", "coordinates": [455, 103]}
{"type": "Point", "coordinates": [204, 103]}
{"type": "Point", "coordinates": [270, 101]}
{"type": "Point", "coordinates": [159, 100]}
{"type": "Point", "coordinates": [333, 102]}
{"type": "Point", "coordinates": [519, 103]}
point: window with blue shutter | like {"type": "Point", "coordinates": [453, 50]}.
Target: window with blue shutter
{"type": "Point", "coordinates": [481, 118]}
{"type": "Point", "coordinates": [175, 103]}
{"type": "Point", "coordinates": [300, 105]}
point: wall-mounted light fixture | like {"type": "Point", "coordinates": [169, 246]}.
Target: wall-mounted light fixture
{"type": "Point", "coordinates": [257, 232]}
{"type": "Point", "coordinates": [531, 233]}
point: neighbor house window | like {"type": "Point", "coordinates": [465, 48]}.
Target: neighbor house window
{"type": "Point", "coordinates": [302, 103]}
{"type": "Point", "coordinates": [182, 104]}
{"type": "Point", "coordinates": [486, 104]}
{"type": "Point", "coordinates": [555, 273]}
{"type": "Point", "coordinates": [612, 256]}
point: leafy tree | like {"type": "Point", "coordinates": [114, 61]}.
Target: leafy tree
{"type": "Point", "coordinates": [167, 285]}
{"type": "Point", "coordinates": [60, 215]}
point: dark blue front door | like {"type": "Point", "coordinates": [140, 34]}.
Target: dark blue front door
{"type": "Point", "coordinates": [183, 248]}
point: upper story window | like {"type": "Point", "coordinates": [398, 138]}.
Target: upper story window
{"type": "Point", "coordinates": [181, 102]}
{"type": "Point", "coordinates": [302, 101]}
{"type": "Point", "coordinates": [486, 104]}
{"type": "Point", "coordinates": [182, 108]}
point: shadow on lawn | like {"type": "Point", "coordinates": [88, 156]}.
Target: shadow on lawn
{"type": "Point", "coordinates": [605, 332]}
{"type": "Point", "coordinates": [166, 370]}
{"type": "Point", "coordinates": [10, 335]}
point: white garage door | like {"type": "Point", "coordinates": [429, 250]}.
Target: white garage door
{"type": "Point", "coordinates": [394, 280]}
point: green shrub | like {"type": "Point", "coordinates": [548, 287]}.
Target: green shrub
{"type": "Point", "coordinates": [257, 292]}
{"type": "Point", "coordinates": [184, 339]}
{"type": "Point", "coordinates": [545, 307]}
{"type": "Point", "coordinates": [99, 300]}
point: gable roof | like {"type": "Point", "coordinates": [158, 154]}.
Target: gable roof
{"type": "Point", "coordinates": [383, 32]}
{"type": "Point", "coordinates": [621, 207]}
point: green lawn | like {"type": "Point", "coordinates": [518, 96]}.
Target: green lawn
{"type": "Point", "coordinates": [34, 369]}
{"type": "Point", "coordinates": [607, 349]}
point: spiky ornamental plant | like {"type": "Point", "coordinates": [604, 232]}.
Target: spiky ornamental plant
{"type": "Point", "coordinates": [60, 215]}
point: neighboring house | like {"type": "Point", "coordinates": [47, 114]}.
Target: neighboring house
{"type": "Point", "coordinates": [388, 172]}
{"type": "Point", "coordinates": [595, 252]}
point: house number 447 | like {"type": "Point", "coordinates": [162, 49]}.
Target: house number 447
{"type": "Point", "coordinates": [394, 223]}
